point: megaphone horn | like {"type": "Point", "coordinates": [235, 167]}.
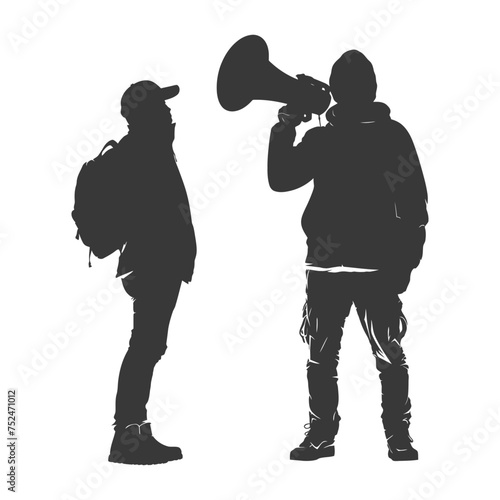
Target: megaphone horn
{"type": "Point", "coordinates": [246, 74]}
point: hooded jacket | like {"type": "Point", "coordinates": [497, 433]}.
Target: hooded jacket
{"type": "Point", "coordinates": [368, 206]}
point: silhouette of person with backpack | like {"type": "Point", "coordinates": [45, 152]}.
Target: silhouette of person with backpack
{"type": "Point", "coordinates": [159, 255]}
{"type": "Point", "coordinates": [146, 209]}
{"type": "Point", "coordinates": [365, 226]}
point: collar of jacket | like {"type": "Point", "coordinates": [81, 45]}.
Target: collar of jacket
{"type": "Point", "coordinates": [152, 133]}
{"type": "Point", "coordinates": [365, 113]}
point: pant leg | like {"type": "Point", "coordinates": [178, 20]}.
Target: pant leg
{"type": "Point", "coordinates": [327, 306]}
{"type": "Point", "coordinates": [154, 298]}
{"type": "Point", "coordinates": [380, 312]}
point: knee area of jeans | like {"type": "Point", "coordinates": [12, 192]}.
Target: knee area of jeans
{"type": "Point", "coordinates": [147, 351]}
{"type": "Point", "coordinates": [393, 350]}
{"type": "Point", "coordinates": [325, 369]}
{"type": "Point", "coordinates": [396, 363]}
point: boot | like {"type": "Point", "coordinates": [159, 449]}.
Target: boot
{"type": "Point", "coordinates": [135, 445]}
{"type": "Point", "coordinates": [400, 448]}
{"type": "Point", "coordinates": [318, 442]}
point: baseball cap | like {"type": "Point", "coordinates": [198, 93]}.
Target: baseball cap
{"type": "Point", "coordinates": [144, 94]}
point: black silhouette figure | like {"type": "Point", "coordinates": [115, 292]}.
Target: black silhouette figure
{"type": "Point", "coordinates": [134, 196]}
{"type": "Point", "coordinates": [365, 227]}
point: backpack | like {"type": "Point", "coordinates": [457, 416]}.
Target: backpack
{"type": "Point", "coordinates": [99, 203]}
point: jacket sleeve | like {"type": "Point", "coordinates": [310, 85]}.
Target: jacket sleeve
{"type": "Point", "coordinates": [290, 167]}
{"type": "Point", "coordinates": [410, 199]}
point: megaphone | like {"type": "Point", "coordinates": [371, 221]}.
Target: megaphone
{"type": "Point", "coordinates": [246, 75]}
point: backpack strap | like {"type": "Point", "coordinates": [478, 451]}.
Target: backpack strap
{"type": "Point", "coordinates": [112, 143]}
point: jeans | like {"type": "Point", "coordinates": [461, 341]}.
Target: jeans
{"type": "Point", "coordinates": [329, 300]}
{"type": "Point", "coordinates": [154, 295]}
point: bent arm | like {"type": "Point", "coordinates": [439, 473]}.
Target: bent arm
{"type": "Point", "coordinates": [287, 165]}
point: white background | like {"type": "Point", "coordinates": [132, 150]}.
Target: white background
{"type": "Point", "coordinates": [236, 412]}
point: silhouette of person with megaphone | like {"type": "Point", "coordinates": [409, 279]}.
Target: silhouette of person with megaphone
{"type": "Point", "coordinates": [365, 227]}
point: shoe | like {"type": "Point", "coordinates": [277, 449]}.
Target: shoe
{"type": "Point", "coordinates": [400, 448]}
{"type": "Point", "coordinates": [135, 445]}
{"type": "Point", "coordinates": [317, 444]}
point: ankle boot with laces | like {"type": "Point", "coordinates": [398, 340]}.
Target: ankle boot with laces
{"type": "Point", "coordinates": [318, 442]}
{"type": "Point", "coordinates": [400, 448]}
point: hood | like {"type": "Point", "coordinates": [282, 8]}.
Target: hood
{"type": "Point", "coordinates": [364, 113]}
{"type": "Point", "coordinates": [353, 81]}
